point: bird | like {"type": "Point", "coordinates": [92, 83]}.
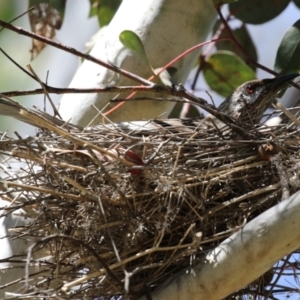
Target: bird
{"type": "Point", "coordinates": [245, 106]}
{"type": "Point", "coordinates": [250, 100]}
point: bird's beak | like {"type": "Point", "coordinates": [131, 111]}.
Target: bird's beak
{"type": "Point", "coordinates": [278, 83]}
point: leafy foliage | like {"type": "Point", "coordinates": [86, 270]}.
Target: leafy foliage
{"type": "Point", "coordinates": [297, 2]}
{"type": "Point", "coordinates": [132, 41]}
{"type": "Point", "coordinates": [224, 71]}
{"type": "Point", "coordinates": [243, 36]}
{"type": "Point", "coordinates": [288, 57]}
{"type": "Point", "coordinates": [257, 11]}
{"type": "Point", "coordinates": [218, 67]}
{"type": "Point", "coordinates": [104, 10]}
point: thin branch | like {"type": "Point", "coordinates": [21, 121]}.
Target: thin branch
{"type": "Point", "coordinates": [65, 237]}
{"type": "Point", "coordinates": [238, 44]}
{"type": "Point", "coordinates": [71, 50]}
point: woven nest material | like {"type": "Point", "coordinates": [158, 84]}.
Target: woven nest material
{"type": "Point", "coordinates": [113, 213]}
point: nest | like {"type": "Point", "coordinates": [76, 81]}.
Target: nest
{"type": "Point", "coordinates": [114, 212]}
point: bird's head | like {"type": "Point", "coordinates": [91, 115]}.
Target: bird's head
{"type": "Point", "coordinates": [249, 101]}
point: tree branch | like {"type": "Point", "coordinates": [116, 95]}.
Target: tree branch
{"type": "Point", "coordinates": [241, 258]}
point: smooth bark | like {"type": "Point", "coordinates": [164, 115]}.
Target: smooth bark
{"type": "Point", "coordinates": [167, 28]}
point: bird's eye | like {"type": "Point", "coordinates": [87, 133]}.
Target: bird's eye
{"type": "Point", "coordinates": [250, 89]}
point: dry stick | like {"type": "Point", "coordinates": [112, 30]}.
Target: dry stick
{"type": "Point", "coordinates": [83, 191]}
{"type": "Point", "coordinates": [191, 206]}
{"type": "Point", "coordinates": [69, 285]}
{"type": "Point", "coordinates": [43, 123]}
{"type": "Point", "coordinates": [25, 187]}
{"type": "Point", "coordinates": [27, 146]}
{"type": "Point", "coordinates": [273, 284]}
{"type": "Point", "coordinates": [152, 89]}
{"type": "Point", "coordinates": [108, 177]}
{"type": "Point", "coordinates": [179, 152]}
{"type": "Point", "coordinates": [257, 192]}
{"type": "Point", "coordinates": [288, 113]}
{"type": "Point", "coordinates": [122, 89]}
{"type": "Point", "coordinates": [71, 50]}
{"type": "Point", "coordinates": [21, 15]}
{"type": "Point", "coordinates": [216, 175]}
{"type": "Point", "coordinates": [97, 115]}
{"type": "Point", "coordinates": [283, 175]}
{"type": "Point", "coordinates": [149, 98]}
{"type": "Point", "coordinates": [93, 59]}
{"type": "Point", "coordinates": [21, 279]}
{"type": "Point", "coordinates": [200, 102]}
{"type": "Point", "coordinates": [165, 67]}
{"type": "Point", "coordinates": [111, 237]}
{"type": "Point", "coordinates": [205, 53]}
{"type": "Point", "coordinates": [151, 158]}
{"type": "Point", "coordinates": [16, 64]}
{"type": "Point", "coordinates": [192, 226]}
{"type": "Point", "coordinates": [56, 113]}
{"type": "Point", "coordinates": [139, 269]}
{"type": "Point", "coordinates": [238, 44]}
{"type": "Point", "coordinates": [11, 283]}
{"type": "Point", "coordinates": [42, 161]}
{"type": "Point", "coordinates": [65, 237]}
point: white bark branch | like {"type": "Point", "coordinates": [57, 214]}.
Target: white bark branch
{"type": "Point", "coordinates": [167, 28]}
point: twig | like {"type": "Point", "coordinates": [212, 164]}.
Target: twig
{"type": "Point", "coordinates": [71, 50]}
{"type": "Point", "coordinates": [24, 187]}
{"type": "Point", "coordinates": [65, 237]}
{"type": "Point", "coordinates": [282, 173]}
{"type": "Point", "coordinates": [232, 37]}
{"type": "Point", "coordinates": [56, 113]}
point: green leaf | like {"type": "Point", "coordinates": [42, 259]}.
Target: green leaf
{"type": "Point", "coordinates": [257, 11]}
{"type": "Point", "coordinates": [104, 10]}
{"type": "Point", "coordinates": [132, 41]}
{"type": "Point", "coordinates": [243, 37]}
{"type": "Point", "coordinates": [224, 71]}
{"type": "Point", "coordinates": [288, 54]}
